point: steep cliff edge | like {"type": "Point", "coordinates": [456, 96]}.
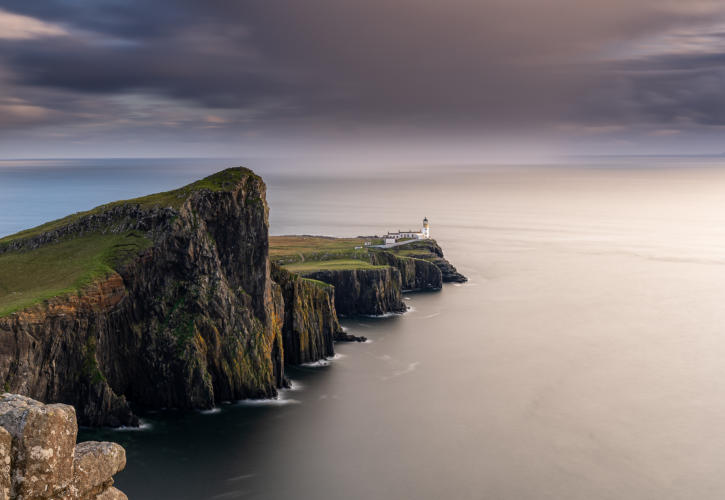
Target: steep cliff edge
{"type": "Point", "coordinates": [429, 250]}
{"type": "Point", "coordinates": [310, 320]}
{"type": "Point", "coordinates": [363, 291]}
{"type": "Point", "coordinates": [367, 279]}
{"type": "Point", "coordinates": [416, 274]}
{"type": "Point", "coordinates": [188, 318]}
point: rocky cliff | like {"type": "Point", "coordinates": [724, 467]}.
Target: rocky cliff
{"type": "Point", "coordinates": [364, 291]}
{"type": "Point", "coordinates": [310, 321]}
{"type": "Point", "coordinates": [430, 251]}
{"type": "Point", "coordinates": [190, 320]}
{"type": "Point", "coordinates": [39, 457]}
{"type": "Point", "coordinates": [378, 291]}
{"type": "Point", "coordinates": [415, 274]}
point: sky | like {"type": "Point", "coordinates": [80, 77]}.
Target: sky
{"type": "Point", "coordinates": [408, 79]}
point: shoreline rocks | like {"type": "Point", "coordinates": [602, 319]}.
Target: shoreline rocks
{"type": "Point", "coordinates": [415, 274]}
{"type": "Point", "coordinates": [430, 251]}
{"type": "Point", "coordinates": [364, 291]}
{"type": "Point", "coordinates": [39, 457]}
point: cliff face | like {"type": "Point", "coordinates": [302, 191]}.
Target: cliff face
{"type": "Point", "coordinates": [415, 274]}
{"type": "Point", "coordinates": [364, 291]}
{"type": "Point", "coordinates": [310, 320]}
{"type": "Point", "coordinates": [191, 320]}
{"type": "Point", "coordinates": [428, 250]}
{"type": "Point", "coordinates": [39, 458]}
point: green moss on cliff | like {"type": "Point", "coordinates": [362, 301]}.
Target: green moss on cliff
{"type": "Point", "coordinates": [318, 283]}
{"type": "Point", "coordinates": [91, 371]}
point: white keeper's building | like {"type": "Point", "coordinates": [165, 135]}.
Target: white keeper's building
{"type": "Point", "coordinates": [423, 234]}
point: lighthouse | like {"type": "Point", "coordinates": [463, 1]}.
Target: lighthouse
{"type": "Point", "coordinates": [426, 228]}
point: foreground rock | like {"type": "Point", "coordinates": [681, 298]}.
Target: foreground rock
{"type": "Point", "coordinates": [39, 458]}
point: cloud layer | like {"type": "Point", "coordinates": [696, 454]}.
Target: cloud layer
{"type": "Point", "coordinates": [591, 76]}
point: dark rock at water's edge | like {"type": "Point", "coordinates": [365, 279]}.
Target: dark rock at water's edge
{"type": "Point", "coordinates": [346, 337]}
{"type": "Point", "coordinates": [310, 325]}
{"type": "Point", "coordinates": [415, 274]}
{"type": "Point", "coordinates": [378, 291]}
{"type": "Point", "coordinates": [430, 251]}
{"type": "Point", "coordinates": [310, 319]}
{"type": "Point", "coordinates": [372, 292]}
{"type": "Point", "coordinates": [39, 457]}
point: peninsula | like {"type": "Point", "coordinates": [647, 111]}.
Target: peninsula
{"type": "Point", "coordinates": [182, 300]}
{"type": "Point", "coordinates": [368, 276]}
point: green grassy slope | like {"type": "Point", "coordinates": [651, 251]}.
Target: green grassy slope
{"type": "Point", "coordinates": [331, 265]}
{"type": "Point", "coordinates": [219, 181]}
{"type": "Point", "coordinates": [27, 278]}
{"type": "Point", "coordinates": [302, 254]}
{"type": "Point", "coordinates": [31, 276]}
{"type": "Point", "coordinates": [283, 246]}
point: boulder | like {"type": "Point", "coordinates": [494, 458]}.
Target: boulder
{"type": "Point", "coordinates": [6, 443]}
{"type": "Point", "coordinates": [94, 465]}
{"type": "Point", "coordinates": [39, 458]}
{"type": "Point", "coordinates": [43, 441]}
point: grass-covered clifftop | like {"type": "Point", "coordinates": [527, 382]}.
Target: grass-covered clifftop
{"type": "Point", "coordinates": [330, 265]}
{"type": "Point", "coordinates": [220, 181]}
{"type": "Point", "coordinates": [367, 280]}
{"type": "Point", "coordinates": [29, 277]}
{"type": "Point", "coordinates": [307, 254]}
{"type": "Point", "coordinates": [64, 261]}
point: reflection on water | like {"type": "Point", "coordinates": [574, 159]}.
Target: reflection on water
{"type": "Point", "coordinates": [585, 358]}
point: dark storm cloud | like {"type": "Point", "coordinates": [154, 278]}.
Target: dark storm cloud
{"type": "Point", "coordinates": [682, 90]}
{"type": "Point", "coordinates": [426, 66]}
{"type": "Point", "coordinates": [213, 75]}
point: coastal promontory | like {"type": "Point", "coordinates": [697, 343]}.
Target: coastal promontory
{"type": "Point", "coordinates": [175, 300]}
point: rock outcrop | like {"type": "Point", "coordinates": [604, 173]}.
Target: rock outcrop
{"type": "Point", "coordinates": [189, 321]}
{"type": "Point", "coordinates": [378, 291]}
{"type": "Point", "coordinates": [415, 274]}
{"type": "Point", "coordinates": [364, 291]}
{"type": "Point", "coordinates": [428, 250]}
{"type": "Point", "coordinates": [39, 458]}
{"type": "Point", "coordinates": [310, 320]}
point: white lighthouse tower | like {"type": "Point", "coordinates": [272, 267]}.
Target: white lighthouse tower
{"type": "Point", "coordinates": [426, 228]}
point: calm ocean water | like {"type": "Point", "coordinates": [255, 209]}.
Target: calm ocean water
{"type": "Point", "coordinates": [585, 359]}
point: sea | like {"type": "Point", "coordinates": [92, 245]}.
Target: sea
{"type": "Point", "coordinates": [583, 360]}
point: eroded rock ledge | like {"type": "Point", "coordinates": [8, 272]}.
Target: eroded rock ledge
{"type": "Point", "coordinates": [39, 458]}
